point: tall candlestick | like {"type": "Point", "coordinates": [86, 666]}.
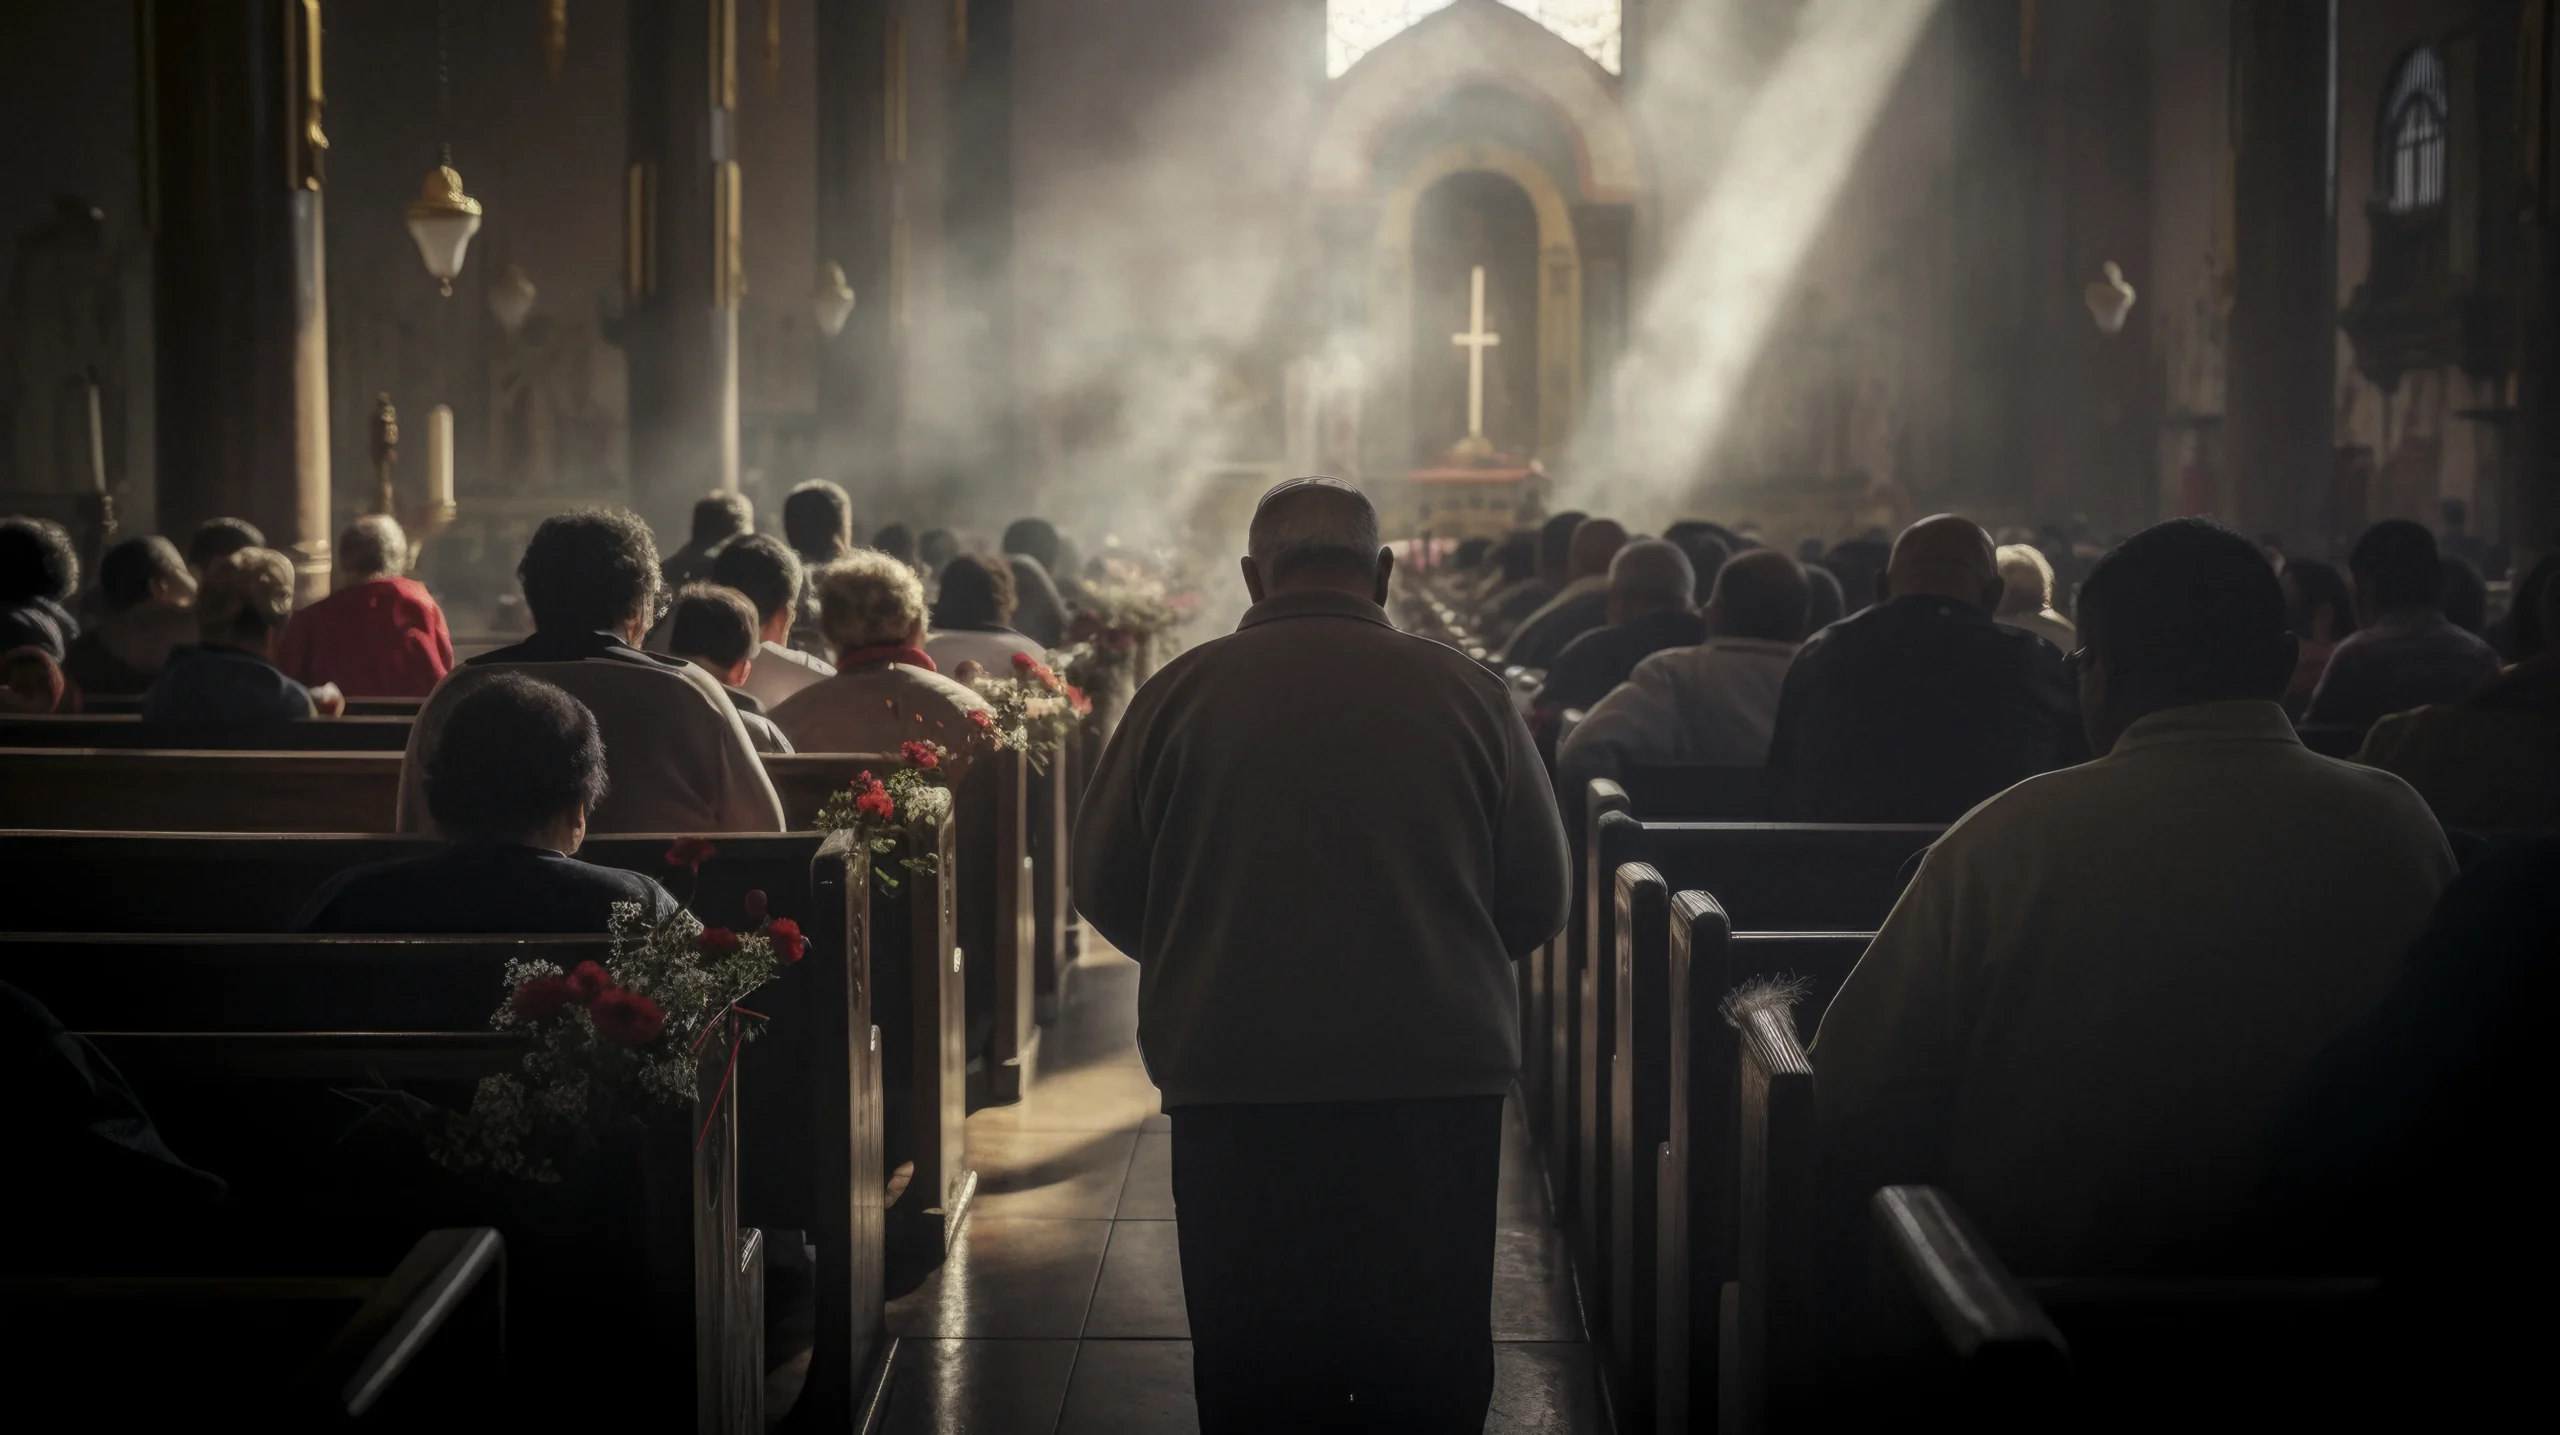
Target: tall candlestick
{"type": "Point", "coordinates": [97, 439]}
{"type": "Point", "coordinates": [440, 455]}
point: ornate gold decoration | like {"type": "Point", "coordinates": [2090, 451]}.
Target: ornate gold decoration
{"type": "Point", "coordinates": [313, 155]}
{"type": "Point", "coordinates": [555, 36]}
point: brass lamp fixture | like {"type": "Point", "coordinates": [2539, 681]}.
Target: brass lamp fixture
{"type": "Point", "coordinates": [832, 304]}
{"type": "Point", "coordinates": [443, 218]}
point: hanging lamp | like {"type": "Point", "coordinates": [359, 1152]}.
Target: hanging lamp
{"type": "Point", "coordinates": [443, 218]}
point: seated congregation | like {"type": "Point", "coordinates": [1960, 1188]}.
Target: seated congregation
{"type": "Point", "coordinates": [1994, 981]}
{"type": "Point", "coordinates": [2132, 1083]}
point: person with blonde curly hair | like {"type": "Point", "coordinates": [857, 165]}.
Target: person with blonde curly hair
{"type": "Point", "coordinates": [229, 677]}
{"type": "Point", "coordinates": [886, 690]}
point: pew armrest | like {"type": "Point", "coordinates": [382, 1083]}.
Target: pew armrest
{"type": "Point", "coordinates": [1981, 1311]}
{"type": "Point", "coordinates": [397, 1325]}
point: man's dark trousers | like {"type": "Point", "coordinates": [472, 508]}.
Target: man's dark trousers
{"type": "Point", "coordinates": [1337, 1259]}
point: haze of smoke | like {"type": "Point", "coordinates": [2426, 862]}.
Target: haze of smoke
{"type": "Point", "coordinates": [1731, 260]}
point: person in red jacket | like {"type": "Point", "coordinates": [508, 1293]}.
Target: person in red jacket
{"type": "Point", "coordinates": [380, 635]}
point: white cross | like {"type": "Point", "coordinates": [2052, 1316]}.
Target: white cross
{"type": "Point", "coordinates": [1475, 341]}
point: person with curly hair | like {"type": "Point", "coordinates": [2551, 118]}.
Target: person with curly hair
{"type": "Point", "coordinates": [521, 766]}
{"type": "Point", "coordinates": [886, 690]}
{"type": "Point", "coordinates": [38, 571]}
{"type": "Point", "coordinates": [681, 760]}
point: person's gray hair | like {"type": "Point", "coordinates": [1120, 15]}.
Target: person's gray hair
{"type": "Point", "coordinates": [1313, 524]}
{"type": "Point", "coordinates": [2026, 579]}
{"type": "Point", "coordinates": [1655, 571]}
{"type": "Point", "coordinates": [374, 547]}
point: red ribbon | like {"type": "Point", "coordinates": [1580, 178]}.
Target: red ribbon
{"type": "Point", "coordinates": [888, 653]}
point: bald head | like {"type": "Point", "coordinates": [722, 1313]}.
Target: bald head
{"type": "Point", "coordinates": [1649, 577]}
{"type": "Point", "coordinates": [1595, 542]}
{"type": "Point", "coordinates": [1946, 556]}
{"type": "Point", "coordinates": [1315, 533]}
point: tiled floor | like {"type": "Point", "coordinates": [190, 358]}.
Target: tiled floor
{"type": "Point", "coordinates": [1061, 1310]}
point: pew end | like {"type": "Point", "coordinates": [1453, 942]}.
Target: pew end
{"type": "Point", "coordinates": [423, 1346]}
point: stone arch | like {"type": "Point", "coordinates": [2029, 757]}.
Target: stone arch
{"type": "Point", "coordinates": [1559, 290]}
{"type": "Point", "coordinates": [1476, 42]}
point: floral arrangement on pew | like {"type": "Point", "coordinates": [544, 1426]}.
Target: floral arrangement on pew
{"type": "Point", "coordinates": [881, 810]}
{"type": "Point", "coordinates": [1035, 710]}
{"type": "Point", "coordinates": [614, 1038]}
{"type": "Point", "coordinates": [1114, 621]}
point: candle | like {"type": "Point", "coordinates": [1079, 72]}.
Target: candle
{"type": "Point", "coordinates": [440, 455]}
{"type": "Point", "coordinates": [97, 442]}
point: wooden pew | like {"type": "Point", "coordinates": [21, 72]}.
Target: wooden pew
{"type": "Point", "coordinates": [114, 703]}
{"type": "Point", "coordinates": [423, 1345]}
{"type": "Point", "coordinates": [1053, 821]}
{"type": "Point", "coordinates": [1698, 792]}
{"type": "Point", "coordinates": [796, 1177]}
{"type": "Point", "coordinates": [1780, 877]}
{"type": "Point", "coordinates": [1684, 1257]}
{"type": "Point", "coordinates": [128, 732]}
{"type": "Point", "coordinates": [992, 895]}
{"type": "Point", "coordinates": [241, 1048]}
{"type": "Point", "coordinates": [97, 790]}
{"type": "Point", "coordinates": [1771, 1340]}
{"type": "Point", "coordinates": [2001, 1352]}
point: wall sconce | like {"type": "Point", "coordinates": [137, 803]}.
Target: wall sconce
{"type": "Point", "coordinates": [2109, 299]}
{"type": "Point", "coordinates": [511, 299]}
{"type": "Point", "coordinates": [833, 303]}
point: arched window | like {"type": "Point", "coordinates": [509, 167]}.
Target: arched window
{"type": "Point", "coordinates": [1355, 27]}
{"type": "Point", "coordinates": [2409, 148]}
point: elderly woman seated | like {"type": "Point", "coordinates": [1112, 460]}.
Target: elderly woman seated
{"type": "Point", "coordinates": [230, 678]}
{"type": "Point", "coordinates": [512, 778]}
{"type": "Point", "coordinates": [886, 691]}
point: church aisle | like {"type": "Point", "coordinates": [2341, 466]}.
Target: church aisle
{"type": "Point", "coordinates": [1060, 1309]}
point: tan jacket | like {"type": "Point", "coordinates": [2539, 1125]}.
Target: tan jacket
{"type": "Point", "coordinates": [677, 757]}
{"type": "Point", "coordinates": [877, 706]}
{"type": "Point", "coordinates": [2085, 1012]}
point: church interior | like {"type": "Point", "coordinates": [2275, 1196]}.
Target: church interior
{"type": "Point", "coordinates": [667, 389]}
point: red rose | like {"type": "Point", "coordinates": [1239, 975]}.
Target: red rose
{"type": "Point", "coordinates": [690, 853]}
{"type": "Point", "coordinates": [1077, 700]}
{"type": "Point", "coordinates": [716, 942]}
{"type": "Point", "coordinates": [877, 803]}
{"type": "Point", "coordinates": [1024, 662]}
{"type": "Point", "coordinates": [541, 998]}
{"type": "Point", "coordinates": [588, 982]}
{"type": "Point", "coordinates": [788, 944]}
{"type": "Point", "coordinates": [755, 904]}
{"type": "Point", "coordinates": [983, 718]}
{"type": "Point", "coordinates": [920, 754]}
{"type": "Point", "coordinates": [628, 1018]}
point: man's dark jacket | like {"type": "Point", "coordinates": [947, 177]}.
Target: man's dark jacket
{"type": "Point", "coordinates": [1915, 710]}
{"type": "Point", "coordinates": [1593, 665]}
{"type": "Point", "coordinates": [1326, 841]}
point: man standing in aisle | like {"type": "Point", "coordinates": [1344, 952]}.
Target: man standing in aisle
{"type": "Point", "coordinates": [1326, 842]}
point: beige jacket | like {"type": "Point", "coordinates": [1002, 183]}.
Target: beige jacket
{"type": "Point", "coordinates": [877, 706]}
{"type": "Point", "coordinates": [677, 757]}
{"type": "Point", "coordinates": [2088, 1008]}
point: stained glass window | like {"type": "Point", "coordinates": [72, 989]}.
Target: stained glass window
{"type": "Point", "coordinates": [1355, 27]}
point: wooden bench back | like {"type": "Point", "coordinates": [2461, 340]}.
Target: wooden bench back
{"type": "Point", "coordinates": [1696, 1162]}
{"type": "Point", "coordinates": [112, 704]}
{"type": "Point", "coordinates": [1779, 1158]}
{"type": "Point", "coordinates": [128, 732]}
{"type": "Point", "coordinates": [95, 789]}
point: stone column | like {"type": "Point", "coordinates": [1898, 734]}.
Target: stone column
{"type": "Point", "coordinates": [682, 276]}
{"type": "Point", "coordinates": [854, 144]}
{"type": "Point", "coordinates": [2283, 347]}
{"type": "Point", "coordinates": [235, 156]}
